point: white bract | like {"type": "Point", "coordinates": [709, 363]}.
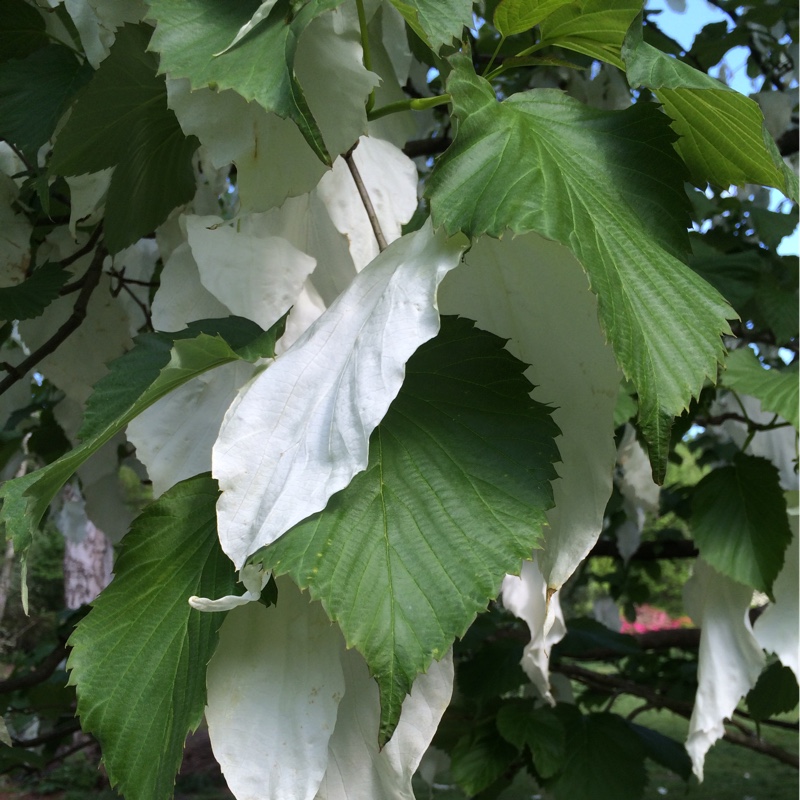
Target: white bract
{"type": "Point", "coordinates": [293, 713]}
{"type": "Point", "coordinates": [776, 629]}
{"type": "Point", "coordinates": [519, 288]}
{"type": "Point", "coordinates": [730, 658]}
{"type": "Point", "coordinates": [526, 597]}
{"type": "Point", "coordinates": [299, 431]}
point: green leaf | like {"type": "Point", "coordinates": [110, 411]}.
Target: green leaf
{"type": "Point", "coordinates": [777, 302]}
{"type": "Point", "coordinates": [132, 374]}
{"type": "Point", "coordinates": [664, 750]}
{"type": "Point", "coordinates": [595, 28]}
{"type": "Point", "coordinates": [453, 498]}
{"type": "Point", "coordinates": [516, 16]}
{"type": "Point", "coordinates": [775, 693]}
{"type": "Point", "coordinates": [585, 636]}
{"type": "Point", "coordinates": [23, 29]}
{"type": "Point", "coordinates": [778, 390]}
{"type": "Point", "coordinates": [723, 138]}
{"type": "Point", "coordinates": [118, 398]}
{"type": "Point", "coordinates": [436, 22]}
{"type": "Point", "coordinates": [609, 186]}
{"type": "Point", "coordinates": [29, 299]}
{"type": "Point", "coordinates": [537, 728]}
{"type": "Point", "coordinates": [480, 758]}
{"type": "Point", "coordinates": [121, 120]}
{"type": "Point", "coordinates": [605, 758]}
{"type": "Point", "coordinates": [739, 521]}
{"type": "Point", "coordinates": [139, 657]}
{"type": "Point", "coordinates": [260, 67]}
{"type": "Point", "coordinates": [34, 93]}
{"type": "Point", "coordinates": [772, 227]}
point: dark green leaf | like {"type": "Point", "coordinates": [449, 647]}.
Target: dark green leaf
{"type": "Point", "coordinates": [775, 693]}
{"type": "Point", "coordinates": [139, 657]}
{"type": "Point", "coordinates": [121, 120]}
{"type": "Point", "coordinates": [585, 636]}
{"type": "Point", "coordinates": [22, 31]}
{"type": "Point", "coordinates": [480, 758]}
{"type": "Point", "coordinates": [452, 499]}
{"type": "Point", "coordinates": [29, 299]}
{"type": "Point", "coordinates": [605, 758]}
{"type": "Point", "coordinates": [664, 750]}
{"type": "Point", "coordinates": [494, 671]}
{"type": "Point", "coordinates": [739, 521]}
{"type": "Point", "coordinates": [539, 729]}
{"type": "Point", "coordinates": [608, 185]}
{"type": "Point", "coordinates": [35, 92]}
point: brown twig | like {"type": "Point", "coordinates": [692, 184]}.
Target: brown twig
{"type": "Point", "coordinates": [365, 199]}
{"type": "Point", "coordinates": [90, 281]}
{"type": "Point", "coordinates": [58, 733]}
{"type": "Point", "coordinates": [71, 259]}
{"type": "Point", "coordinates": [731, 415]}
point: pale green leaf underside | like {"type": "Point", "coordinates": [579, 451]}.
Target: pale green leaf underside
{"type": "Point", "coordinates": [158, 364]}
{"type": "Point", "coordinates": [139, 658]}
{"type": "Point", "coordinates": [595, 28]}
{"type": "Point", "coordinates": [193, 39]}
{"type": "Point", "coordinates": [516, 16]}
{"type": "Point", "coordinates": [609, 186]}
{"type": "Point", "coordinates": [722, 134]}
{"type": "Point", "coordinates": [779, 392]}
{"type": "Point", "coordinates": [453, 498]}
{"type": "Point", "coordinates": [739, 521]}
{"type": "Point", "coordinates": [436, 22]}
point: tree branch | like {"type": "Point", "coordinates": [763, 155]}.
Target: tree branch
{"type": "Point", "coordinates": [90, 281]}
{"type": "Point", "coordinates": [613, 685]}
{"type": "Point", "coordinates": [649, 551]}
{"type": "Point", "coordinates": [365, 199]}
{"type": "Point", "coordinates": [43, 671]}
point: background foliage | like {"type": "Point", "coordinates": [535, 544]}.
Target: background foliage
{"type": "Point", "coordinates": [541, 528]}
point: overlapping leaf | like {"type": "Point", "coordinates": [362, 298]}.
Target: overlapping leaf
{"type": "Point", "coordinates": [604, 758]}
{"type": "Point", "coordinates": [158, 364]}
{"type": "Point", "coordinates": [35, 91]}
{"type": "Point", "coordinates": [30, 298]}
{"type": "Point", "coordinates": [595, 28]}
{"type": "Point", "coordinates": [193, 37]}
{"type": "Point", "coordinates": [739, 521]}
{"type": "Point", "coordinates": [723, 136]}
{"type": "Point", "coordinates": [436, 22]}
{"type": "Point", "coordinates": [121, 120]}
{"type": "Point", "coordinates": [516, 16]}
{"type": "Point", "coordinates": [534, 292]}
{"type": "Point", "coordinates": [298, 432]}
{"type": "Point", "coordinates": [778, 391]}
{"type": "Point", "coordinates": [139, 658]}
{"type": "Point", "coordinates": [452, 498]}
{"type": "Point", "coordinates": [542, 161]}
{"type": "Point", "coordinates": [23, 29]}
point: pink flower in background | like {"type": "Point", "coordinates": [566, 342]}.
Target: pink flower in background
{"type": "Point", "coordinates": [649, 618]}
